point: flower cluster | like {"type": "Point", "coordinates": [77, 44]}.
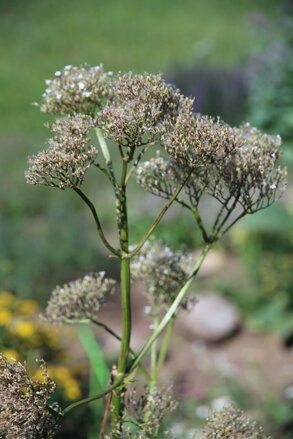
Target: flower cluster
{"type": "Point", "coordinates": [147, 411]}
{"type": "Point", "coordinates": [247, 179]}
{"type": "Point", "coordinates": [142, 110]}
{"type": "Point", "coordinates": [195, 140]}
{"type": "Point", "coordinates": [232, 423]}
{"type": "Point", "coordinates": [160, 176]}
{"type": "Point", "coordinates": [80, 299]}
{"type": "Point", "coordinates": [250, 174]}
{"type": "Point", "coordinates": [161, 271]}
{"type": "Point", "coordinates": [24, 404]}
{"type": "Point", "coordinates": [76, 90]}
{"type": "Point", "coordinates": [64, 163]}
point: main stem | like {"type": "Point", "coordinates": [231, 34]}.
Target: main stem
{"type": "Point", "coordinates": [125, 298]}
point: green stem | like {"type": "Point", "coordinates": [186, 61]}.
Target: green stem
{"type": "Point", "coordinates": [104, 147]}
{"type": "Point", "coordinates": [171, 311]}
{"type": "Point", "coordinates": [154, 377]}
{"type": "Point", "coordinates": [159, 217]}
{"type": "Point", "coordinates": [137, 160]}
{"type": "Point", "coordinates": [200, 224]}
{"type": "Point", "coordinates": [115, 335]}
{"type": "Point", "coordinates": [93, 398]}
{"type": "Point", "coordinates": [165, 345]}
{"type": "Point", "coordinates": [125, 297]}
{"type": "Point", "coordinates": [97, 221]}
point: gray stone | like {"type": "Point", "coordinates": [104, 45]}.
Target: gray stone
{"type": "Point", "coordinates": [212, 319]}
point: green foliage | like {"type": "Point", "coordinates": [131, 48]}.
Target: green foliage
{"type": "Point", "coordinates": [271, 84]}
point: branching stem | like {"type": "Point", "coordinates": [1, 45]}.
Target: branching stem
{"type": "Point", "coordinates": [159, 217]}
{"type": "Point", "coordinates": [165, 344]}
{"type": "Point", "coordinates": [115, 335]}
{"type": "Point", "coordinates": [97, 221]}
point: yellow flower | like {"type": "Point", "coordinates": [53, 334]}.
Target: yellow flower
{"type": "Point", "coordinates": [25, 329]}
{"type": "Point", "coordinates": [51, 338]}
{"type": "Point", "coordinates": [71, 389]}
{"type": "Point", "coordinates": [11, 354]}
{"type": "Point", "coordinates": [28, 307]}
{"type": "Point", "coordinates": [5, 317]}
{"type": "Point", "coordinates": [60, 373]}
{"type": "Point", "coordinates": [6, 298]}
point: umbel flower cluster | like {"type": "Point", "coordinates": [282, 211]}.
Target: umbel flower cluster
{"type": "Point", "coordinates": [64, 163]}
{"type": "Point", "coordinates": [76, 90]}
{"type": "Point", "coordinates": [231, 422]}
{"type": "Point", "coordinates": [25, 411]}
{"type": "Point", "coordinates": [244, 181]}
{"type": "Point", "coordinates": [80, 299]}
{"type": "Point", "coordinates": [162, 272]}
{"type": "Point", "coordinates": [142, 110]}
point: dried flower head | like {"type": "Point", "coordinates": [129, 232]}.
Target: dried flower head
{"type": "Point", "coordinates": [80, 299]}
{"type": "Point", "coordinates": [160, 176]}
{"type": "Point", "coordinates": [242, 182]}
{"type": "Point", "coordinates": [251, 173]}
{"type": "Point", "coordinates": [231, 423]}
{"type": "Point", "coordinates": [76, 90]}
{"type": "Point", "coordinates": [161, 271]}
{"type": "Point", "coordinates": [196, 140]}
{"type": "Point", "coordinates": [148, 410]}
{"type": "Point", "coordinates": [64, 163]}
{"type": "Point", "coordinates": [142, 110]}
{"type": "Point", "coordinates": [24, 403]}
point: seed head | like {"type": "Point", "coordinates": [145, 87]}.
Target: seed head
{"type": "Point", "coordinates": [64, 163]}
{"type": "Point", "coordinates": [251, 172]}
{"type": "Point", "coordinates": [161, 272]}
{"type": "Point", "coordinates": [149, 409]}
{"type": "Point", "coordinates": [80, 299]}
{"type": "Point", "coordinates": [196, 140]}
{"type": "Point", "coordinates": [231, 423]}
{"type": "Point", "coordinates": [245, 180]}
{"type": "Point", "coordinates": [142, 110]}
{"type": "Point", "coordinates": [24, 403]}
{"type": "Point", "coordinates": [160, 176]}
{"type": "Point", "coordinates": [76, 90]}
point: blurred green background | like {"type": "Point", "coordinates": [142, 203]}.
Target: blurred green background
{"type": "Point", "coordinates": [186, 40]}
{"type": "Point", "coordinates": [236, 58]}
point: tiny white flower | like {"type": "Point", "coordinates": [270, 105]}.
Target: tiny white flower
{"type": "Point", "coordinates": [81, 85]}
{"type": "Point", "coordinates": [57, 73]}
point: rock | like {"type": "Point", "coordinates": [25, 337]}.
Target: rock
{"type": "Point", "coordinates": [212, 319]}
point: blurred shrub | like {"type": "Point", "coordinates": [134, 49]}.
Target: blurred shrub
{"type": "Point", "coordinates": [270, 82]}
{"type": "Point", "coordinates": [35, 255]}
{"type": "Point", "coordinates": [266, 249]}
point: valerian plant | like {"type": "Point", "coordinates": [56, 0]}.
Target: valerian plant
{"type": "Point", "coordinates": [194, 157]}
